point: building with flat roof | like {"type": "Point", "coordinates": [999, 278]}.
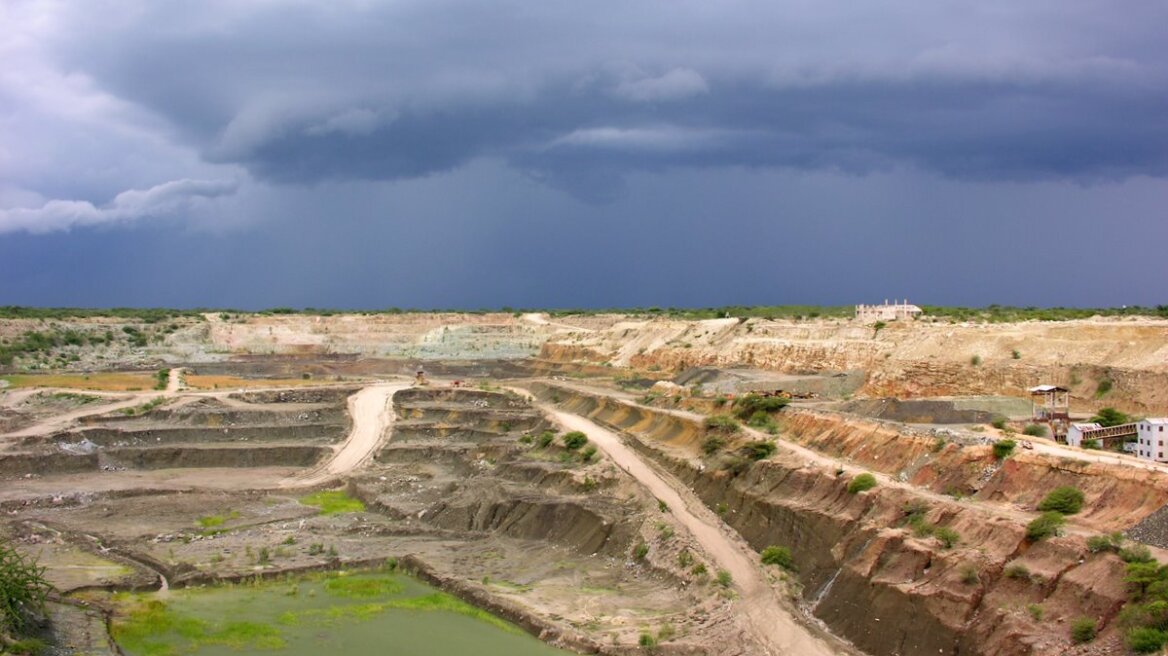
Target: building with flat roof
{"type": "Point", "coordinates": [1152, 439]}
{"type": "Point", "coordinates": [888, 312]}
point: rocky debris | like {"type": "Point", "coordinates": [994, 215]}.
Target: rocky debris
{"type": "Point", "coordinates": [1152, 530]}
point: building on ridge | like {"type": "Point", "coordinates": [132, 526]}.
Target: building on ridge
{"type": "Point", "coordinates": [888, 312]}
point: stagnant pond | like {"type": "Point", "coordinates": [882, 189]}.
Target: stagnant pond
{"type": "Point", "coordinates": [356, 613]}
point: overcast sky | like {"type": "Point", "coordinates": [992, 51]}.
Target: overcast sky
{"type": "Point", "coordinates": [556, 153]}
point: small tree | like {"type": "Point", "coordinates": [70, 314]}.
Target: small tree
{"type": "Point", "coordinates": [1108, 417]}
{"type": "Point", "coordinates": [1044, 526]}
{"type": "Point", "coordinates": [1066, 500]}
{"type": "Point", "coordinates": [23, 589]}
{"type": "Point", "coordinates": [1083, 630]}
{"type": "Point", "coordinates": [780, 556]}
{"type": "Point", "coordinates": [574, 440]}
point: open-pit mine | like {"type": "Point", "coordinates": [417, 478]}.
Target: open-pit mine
{"type": "Point", "coordinates": [510, 483]}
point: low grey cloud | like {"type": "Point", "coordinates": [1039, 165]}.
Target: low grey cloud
{"type": "Point", "coordinates": [160, 200]}
{"type": "Point", "coordinates": [677, 84]}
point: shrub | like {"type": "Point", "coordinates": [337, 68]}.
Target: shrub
{"type": "Point", "coordinates": [1102, 388]}
{"type": "Point", "coordinates": [861, 483]}
{"type": "Point", "coordinates": [736, 465]}
{"type": "Point", "coordinates": [724, 579]}
{"type": "Point", "coordinates": [640, 551]}
{"type": "Point", "coordinates": [1137, 553]}
{"type": "Point", "coordinates": [23, 589]}
{"type": "Point", "coordinates": [1092, 445]}
{"type": "Point", "coordinates": [684, 558]}
{"type": "Point", "coordinates": [947, 536]}
{"type": "Point", "coordinates": [1034, 430]}
{"type": "Point", "coordinates": [1003, 448]}
{"type": "Point", "coordinates": [998, 423]}
{"type": "Point", "coordinates": [588, 453]}
{"type": "Point", "coordinates": [1101, 543]}
{"type": "Point", "coordinates": [1044, 526]}
{"type": "Point", "coordinates": [1066, 500]}
{"type": "Point", "coordinates": [759, 450]}
{"type": "Point", "coordinates": [647, 641]}
{"type": "Point", "coordinates": [1016, 354]}
{"type": "Point", "coordinates": [759, 419]}
{"type": "Point", "coordinates": [747, 406]}
{"type": "Point", "coordinates": [545, 438]}
{"type": "Point", "coordinates": [1035, 611]}
{"type": "Point", "coordinates": [721, 424]}
{"type": "Point", "coordinates": [574, 440]}
{"type": "Point", "coordinates": [1146, 640]}
{"type": "Point", "coordinates": [1017, 571]}
{"type": "Point", "coordinates": [969, 575]}
{"type": "Point", "coordinates": [1083, 630]}
{"type": "Point", "coordinates": [713, 444]}
{"type": "Point", "coordinates": [780, 556]}
{"type": "Point", "coordinates": [975, 360]}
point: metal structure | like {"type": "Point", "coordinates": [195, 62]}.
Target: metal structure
{"type": "Point", "coordinates": [1051, 404]}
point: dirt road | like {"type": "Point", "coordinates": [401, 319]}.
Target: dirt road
{"type": "Point", "coordinates": [372, 412]}
{"type": "Point", "coordinates": [771, 623]}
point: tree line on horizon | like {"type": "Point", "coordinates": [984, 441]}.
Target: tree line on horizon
{"type": "Point", "coordinates": [991, 313]}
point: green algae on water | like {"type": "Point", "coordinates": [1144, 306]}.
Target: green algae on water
{"type": "Point", "coordinates": [353, 613]}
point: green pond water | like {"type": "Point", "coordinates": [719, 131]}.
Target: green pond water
{"type": "Point", "coordinates": [359, 613]}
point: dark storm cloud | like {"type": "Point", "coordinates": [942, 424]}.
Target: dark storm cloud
{"type": "Point", "coordinates": [581, 93]}
{"type": "Point", "coordinates": [369, 153]}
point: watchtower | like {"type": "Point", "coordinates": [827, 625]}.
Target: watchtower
{"type": "Point", "coordinates": [1051, 404]}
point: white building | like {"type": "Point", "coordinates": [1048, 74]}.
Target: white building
{"type": "Point", "coordinates": [1075, 433]}
{"type": "Point", "coordinates": [1152, 439]}
{"type": "Point", "coordinates": [887, 312]}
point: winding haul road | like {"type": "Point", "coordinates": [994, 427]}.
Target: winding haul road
{"type": "Point", "coordinates": [372, 413]}
{"type": "Point", "coordinates": [766, 616]}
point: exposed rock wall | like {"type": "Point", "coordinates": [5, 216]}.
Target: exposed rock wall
{"type": "Point", "coordinates": [863, 571]}
{"type": "Point", "coordinates": [913, 358]}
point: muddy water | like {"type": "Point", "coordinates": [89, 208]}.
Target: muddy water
{"type": "Point", "coordinates": [362, 614]}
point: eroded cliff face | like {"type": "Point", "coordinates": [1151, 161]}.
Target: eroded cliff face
{"type": "Point", "coordinates": [865, 572]}
{"type": "Point", "coordinates": [911, 358]}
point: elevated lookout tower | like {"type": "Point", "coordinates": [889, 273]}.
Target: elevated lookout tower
{"type": "Point", "coordinates": [1051, 404]}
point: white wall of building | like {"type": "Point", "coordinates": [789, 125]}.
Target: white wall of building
{"type": "Point", "coordinates": [1152, 439]}
{"type": "Point", "coordinates": [1075, 433]}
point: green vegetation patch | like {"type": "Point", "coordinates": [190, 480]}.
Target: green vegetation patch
{"type": "Point", "coordinates": [861, 483]}
{"type": "Point", "coordinates": [333, 502]}
{"type": "Point", "coordinates": [776, 555]}
{"type": "Point", "coordinates": [362, 587]}
{"type": "Point", "coordinates": [154, 629]}
{"type": "Point", "coordinates": [1066, 500]}
{"type": "Point", "coordinates": [1046, 525]}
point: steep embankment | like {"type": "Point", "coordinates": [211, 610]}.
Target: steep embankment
{"type": "Point", "coordinates": [421, 335]}
{"type": "Point", "coordinates": [864, 570]}
{"type": "Point", "coordinates": [912, 358]}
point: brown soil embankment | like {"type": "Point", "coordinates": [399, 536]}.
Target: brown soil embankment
{"type": "Point", "coordinates": [317, 433]}
{"type": "Point", "coordinates": [1117, 496]}
{"type": "Point", "coordinates": [865, 573]}
{"type": "Point", "coordinates": [160, 457]}
{"type": "Point", "coordinates": [907, 359]}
